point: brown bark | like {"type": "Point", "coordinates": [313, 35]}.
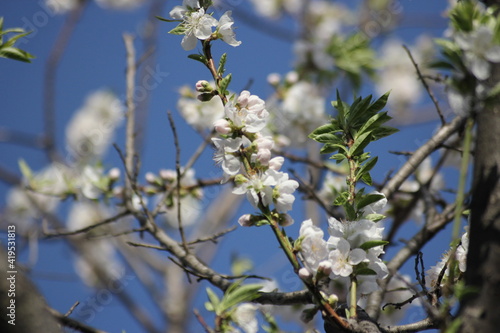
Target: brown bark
{"type": "Point", "coordinates": [480, 311]}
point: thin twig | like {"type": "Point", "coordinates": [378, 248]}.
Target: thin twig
{"type": "Point", "coordinates": [422, 325]}
{"type": "Point", "coordinates": [148, 246]}
{"type": "Point", "coordinates": [88, 228]}
{"type": "Point", "coordinates": [429, 91]}
{"type": "Point", "coordinates": [72, 323]}
{"type": "Point", "coordinates": [178, 182]}
{"type": "Point", "coordinates": [202, 321]}
{"type": "Point", "coordinates": [71, 309]}
{"type": "Point", "coordinates": [420, 154]}
{"type": "Point", "coordinates": [213, 238]}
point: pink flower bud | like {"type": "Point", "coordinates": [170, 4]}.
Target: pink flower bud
{"type": "Point", "coordinates": [274, 79]}
{"type": "Point", "coordinates": [246, 220]}
{"type": "Point", "coordinates": [114, 174]}
{"type": "Point", "coordinates": [325, 267]}
{"type": "Point", "coordinates": [285, 220]}
{"type": "Point", "coordinates": [169, 175]}
{"type": "Point", "coordinates": [222, 126]}
{"type": "Point", "coordinates": [203, 86]}
{"type": "Point", "coordinates": [263, 156]}
{"type": "Point", "coordinates": [150, 177]}
{"type": "Point", "coordinates": [304, 274]}
{"type": "Point", "coordinates": [264, 142]}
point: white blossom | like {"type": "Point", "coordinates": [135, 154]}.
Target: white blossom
{"type": "Point", "coordinates": [224, 155]}
{"type": "Point", "coordinates": [62, 6]}
{"type": "Point", "coordinates": [282, 193]}
{"type": "Point", "coordinates": [245, 317]}
{"type": "Point", "coordinates": [225, 29]}
{"type": "Point", "coordinates": [479, 50]}
{"type": "Point", "coordinates": [248, 113]}
{"type": "Point", "coordinates": [343, 259]}
{"type": "Point", "coordinates": [101, 250]}
{"type": "Point", "coordinates": [91, 130]}
{"type": "Point", "coordinates": [197, 25]}
{"type": "Point", "coordinates": [255, 187]}
{"type": "Point", "coordinates": [200, 115]}
{"type": "Point", "coordinates": [313, 247]}
{"type": "Point", "coordinates": [120, 4]}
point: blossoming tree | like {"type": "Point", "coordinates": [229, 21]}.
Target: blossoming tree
{"type": "Point", "coordinates": [163, 228]}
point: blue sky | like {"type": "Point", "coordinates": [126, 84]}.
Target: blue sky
{"type": "Point", "coordinates": [95, 59]}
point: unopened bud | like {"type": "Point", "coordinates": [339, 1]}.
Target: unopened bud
{"type": "Point", "coordinates": [304, 274]}
{"type": "Point", "coordinates": [169, 175]}
{"type": "Point", "coordinates": [274, 79]}
{"type": "Point", "coordinates": [150, 178]}
{"type": "Point", "coordinates": [114, 174]}
{"type": "Point", "coordinates": [222, 126]}
{"type": "Point", "coordinates": [203, 86]}
{"type": "Point", "coordinates": [205, 97]}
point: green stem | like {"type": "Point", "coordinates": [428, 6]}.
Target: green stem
{"type": "Point", "coordinates": [460, 196]}
{"type": "Point", "coordinates": [284, 243]}
{"type": "Point", "coordinates": [463, 177]}
{"type": "Point", "coordinates": [353, 306]}
{"type": "Point", "coordinates": [352, 180]}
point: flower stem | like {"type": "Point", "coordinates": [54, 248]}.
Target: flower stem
{"type": "Point", "coordinates": [353, 300]}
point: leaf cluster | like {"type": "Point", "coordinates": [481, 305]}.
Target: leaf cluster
{"type": "Point", "coordinates": [7, 49]}
{"type": "Point", "coordinates": [234, 295]}
{"type": "Point", "coordinates": [355, 126]}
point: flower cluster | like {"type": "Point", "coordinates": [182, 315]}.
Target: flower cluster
{"type": "Point", "coordinates": [353, 250]}
{"type": "Point", "coordinates": [472, 46]}
{"type": "Point", "coordinates": [432, 277]}
{"type": "Point", "coordinates": [196, 25]}
{"type": "Point", "coordinates": [245, 153]}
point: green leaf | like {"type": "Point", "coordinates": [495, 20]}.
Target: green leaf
{"type": "Point", "coordinates": [369, 199]}
{"type": "Point", "coordinates": [375, 121]}
{"type": "Point", "coordinates": [15, 54]}
{"type": "Point", "coordinates": [380, 103]}
{"type": "Point", "coordinates": [198, 57]}
{"type": "Point", "coordinates": [209, 306]}
{"type": "Point", "coordinates": [244, 293]}
{"type": "Point", "coordinates": [374, 217]}
{"type": "Point", "coordinates": [214, 300]}
{"type": "Point", "coordinates": [166, 20]}
{"type": "Point", "coordinates": [328, 138]}
{"type": "Point", "coordinates": [366, 167]}
{"type": "Point", "coordinates": [367, 179]}
{"type": "Point", "coordinates": [331, 148]}
{"type": "Point", "coordinates": [338, 157]}
{"type": "Point", "coordinates": [341, 199]}
{"type": "Point", "coordinates": [350, 212]}
{"type": "Point", "coordinates": [25, 170]}
{"type": "Point", "coordinates": [382, 132]}
{"type": "Point", "coordinates": [224, 83]}
{"type": "Point", "coordinates": [374, 243]}
{"type": "Point", "coordinates": [324, 129]}
{"type": "Point", "coordinates": [178, 30]}
{"type": "Point", "coordinates": [222, 64]}
{"type": "Point", "coordinates": [359, 144]}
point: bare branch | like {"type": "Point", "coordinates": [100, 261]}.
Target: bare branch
{"type": "Point", "coordinates": [426, 86]}
{"type": "Point", "coordinates": [88, 228]}
{"type": "Point", "coordinates": [65, 321]}
{"type": "Point", "coordinates": [178, 182]}
{"type": "Point", "coordinates": [420, 154]}
{"type": "Point", "coordinates": [422, 325]}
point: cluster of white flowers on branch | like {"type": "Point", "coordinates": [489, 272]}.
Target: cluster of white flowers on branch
{"type": "Point", "coordinates": [245, 154]}
{"type": "Point", "coordinates": [196, 25]}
